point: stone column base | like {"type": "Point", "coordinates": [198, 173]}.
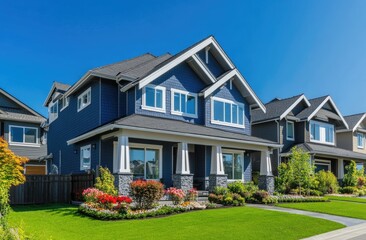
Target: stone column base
{"type": "Point", "coordinates": [266, 183]}
{"type": "Point", "coordinates": [122, 182]}
{"type": "Point", "coordinates": [217, 181]}
{"type": "Point", "coordinates": [183, 181]}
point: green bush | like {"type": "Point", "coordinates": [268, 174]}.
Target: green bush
{"type": "Point", "coordinates": [236, 187]}
{"type": "Point", "coordinates": [146, 193]}
{"type": "Point", "coordinates": [312, 192]}
{"type": "Point", "coordinates": [220, 190]}
{"type": "Point", "coordinates": [259, 195]}
{"type": "Point", "coordinates": [351, 176]}
{"type": "Point", "coordinates": [295, 199]}
{"type": "Point", "coordinates": [105, 182]}
{"type": "Point", "coordinates": [327, 182]}
{"type": "Point", "coordinates": [348, 190]}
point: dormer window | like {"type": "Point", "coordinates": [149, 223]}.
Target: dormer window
{"type": "Point", "coordinates": [184, 103]}
{"type": "Point", "coordinates": [290, 129]}
{"type": "Point", "coordinates": [226, 112]}
{"type": "Point", "coordinates": [153, 98]}
{"type": "Point", "coordinates": [321, 132]}
{"type": "Point", "coordinates": [360, 140]}
{"type": "Point", "coordinates": [52, 111]}
{"type": "Point", "coordinates": [84, 99]}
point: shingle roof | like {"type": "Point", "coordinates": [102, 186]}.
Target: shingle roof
{"type": "Point", "coordinates": [328, 150]}
{"type": "Point", "coordinates": [275, 109]}
{"type": "Point", "coordinates": [315, 102]}
{"type": "Point", "coordinates": [352, 120]}
{"type": "Point", "coordinates": [14, 114]}
{"type": "Point", "coordinates": [62, 86]}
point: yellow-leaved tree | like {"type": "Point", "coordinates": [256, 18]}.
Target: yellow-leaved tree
{"type": "Point", "coordinates": [11, 174]}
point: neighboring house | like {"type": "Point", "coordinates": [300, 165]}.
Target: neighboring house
{"type": "Point", "coordinates": [21, 127]}
{"type": "Point", "coordinates": [309, 125]}
{"type": "Point", "coordinates": [353, 138]}
{"type": "Point", "coordinates": [183, 119]}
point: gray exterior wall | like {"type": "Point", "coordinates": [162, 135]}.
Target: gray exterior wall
{"type": "Point", "coordinates": [345, 140]}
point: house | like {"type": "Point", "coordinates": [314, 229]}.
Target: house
{"type": "Point", "coordinates": [310, 125]}
{"type": "Point", "coordinates": [21, 127]}
{"type": "Point", "coordinates": [183, 119]}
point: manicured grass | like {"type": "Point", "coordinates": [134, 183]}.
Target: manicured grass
{"type": "Point", "coordinates": [334, 207]}
{"type": "Point", "coordinates": [63, 222]}
{"type": "Point", "coordinates": [347, 199]}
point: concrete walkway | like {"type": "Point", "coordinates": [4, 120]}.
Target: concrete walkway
{"type": "Point", "coordinates": [357, 232]}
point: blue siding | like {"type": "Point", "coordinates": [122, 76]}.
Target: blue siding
{"type": "Point", "coordinates": [131, 101]}
{"type": "Point", "coordinates": [208, 160]}
{"type": "Point", "coordinates": [247, 168]}
{"type": "Point", "coordinates": [107, 153]}
{"type": "Point", "coordinates": [109, 101]}
{"type": "Point", "coordinates": [214, 67]}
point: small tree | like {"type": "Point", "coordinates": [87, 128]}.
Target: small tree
{"type": "Point", "coordinates": [327, 182]}
{"type": "Point", "coordinates": [351, 176]}
{"type": "Point", "coordinates": [11, 174]}
{"type": "Point", "coordinates": [284, 179]}
{"type": "Point", "coordinates": [105, 182]}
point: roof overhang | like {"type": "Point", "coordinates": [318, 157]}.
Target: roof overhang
{"type": "Point", "coordinates": [301, 98]}
{"type": "Point", "coordinates": [359, 122]}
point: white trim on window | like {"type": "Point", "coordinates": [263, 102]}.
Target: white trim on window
{"type": "Point", "coordinates": [241, 153]}
{"type": "Point", "coordinates": [25, 144]}
{"type": "Point", "coordinates": [82, 149]}
{"type": "Point", "coordinates": [323, 163]}
{"type": "Point", "coordinates": [360, 144]}
{"type": "Point", "coordinates": [293, 130]}
{"type": "Point", "coordinates": [180, 113]}
{"type": "Point", "coordinates": [80, 104]}
{"type": "Point", "coordinates": [64, 101]}
{"type": "Point", "coordinates": [149, 108]}
{"type": "Point", "coordinates": [322, 132]}
{"type": "Point", "coordinates": [217, 122]}
{"type": "Point", "coordinates": [52, 111]}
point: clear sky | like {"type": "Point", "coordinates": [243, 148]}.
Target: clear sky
{"type": "Point", "coordinates": [283, 48]}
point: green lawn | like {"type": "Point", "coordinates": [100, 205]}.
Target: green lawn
{"type": "Point", "coordinates": [335, 207]}
{"type": "Point", "coordinates": [347, 199]}
{"type": "Point", "coordinates": [63, 222]}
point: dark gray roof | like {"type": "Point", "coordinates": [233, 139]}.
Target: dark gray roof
{"type": "Point", "coordinates": [177, 126]}
{"type": "Point", "coordinates": [61, 86]}
{"type": "Point", "coordinates": [328, 151]}
{"type": "Point", "coordinates": [17, 114]}
{"type": "Point", "coordinates": [315, 102]}
{"type": "Point", "coordinates": [352, 120]}
{"type": "Point", "coordinates": [275, 109]}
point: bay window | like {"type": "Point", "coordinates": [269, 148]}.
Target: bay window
{"type": "Point", "coordinates": [183, 103]}
{"type": "Point", "coordinates": [233, 164]}
{"type": "Point", "coordinates": [226, 112]}
{"type": "Point", "coordinates": [145, 161]}
{"type": "Point", "coordinates": [23, 135]}
{"type": "Point", "coordinates": [153, 98]}
{"type": "Point", "coordinates": [321, 132]}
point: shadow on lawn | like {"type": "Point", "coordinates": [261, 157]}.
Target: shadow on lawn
{"type": "Point", "coordinates": [53, 209]}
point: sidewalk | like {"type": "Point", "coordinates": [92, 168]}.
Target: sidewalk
{"type": "Point", "coordinates": [357, 232]}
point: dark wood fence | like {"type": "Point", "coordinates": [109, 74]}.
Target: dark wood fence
{"type": "Point", "coordinates": [41, 189]}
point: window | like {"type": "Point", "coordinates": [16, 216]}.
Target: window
{"type": "Point", "coordinates": [290, 129]}
{"type": "Point", "coordinates": [233, 165]}
{"type": "Point", "coordinates": [53, 111]}
{"type": "Point", "coordinates": [64, 102]}
{"type": "Point", "coordinates": [145, 161]}
{"type": "Point", "coordinates": [322, 165]}
{"type": "Point", "coordinates": [23, 135]}
{"type": "Point", "coordinates": [321, 132]}
{"type": "Point", "coordinates": [360, 166]}
{"type": "Point", "coordinates": [226, 112]}
{"type": "Point", "coordinates": [84, 99]}
{"type": "Point", "coordinates": [153, 98]}
{"type": "Point", "coordinates": [360, 138]}
{"type": "Point", "coordinates": [184, 103]}
{"type": "Point", "coordinates": [85, 157]}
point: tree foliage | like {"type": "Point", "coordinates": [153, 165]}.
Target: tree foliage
{"type": "Point", "coordinates": [352, 174]}
{"type": "Point", "coordinates": [105, 182]}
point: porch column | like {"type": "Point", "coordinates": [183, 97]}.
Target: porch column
{"type": "Point", "coordinates": [123, 176]}
{"type": "Point", "coordinates": [266, 179]}
{"type": "Point", "coordinates": [217, 178]}
{"type": "Point", "coordinates": [183, 178]}
{"type": "Point", "coordinates": [340, 169]}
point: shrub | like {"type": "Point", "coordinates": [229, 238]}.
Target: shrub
{"type": "Point", "coordinates": [249, 189]}
{"type": "Point", "coordinates": [270, 200]}
{"type": "Point", "coordinates": [327, 182]}
{"type": "Point", "coordinates": [192, 195]}
{"type": "Point", "coordinates": [105, 182]}
{"type": "Point", "coordinates": [236, 187]}
{"type": "Point", "coordinates": [176, 195]}
{"type": "Point", "coordinates": [361, 181]}
{"type": "Point", "coordinates": [259, 195]}
{"type": "Point", "coordinates": [348, 190]}
{"type": "Point", "coordinates": [238, 200]}
{"type": "Point", "coordinates": [312, 192]}
{"type": "Point", "coordinates": [220, 190]}
{"type": "Point", "coordinates": [298, 198]}
{"type": "Point", "coordinates": [350, 178]}
{"type": "Point", "coordinates": [91, 195]}
{"type": "Point", "coordinates": [146, 193]}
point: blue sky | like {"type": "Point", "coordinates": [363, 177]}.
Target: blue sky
{"type": "Point", "coordinates": [283, 48]}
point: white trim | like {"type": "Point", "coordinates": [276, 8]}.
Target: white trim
{"type": "Point", "coordinates": [149, 146]}
{"type": "Point", "coordinates": [81, 157]}
{"type": "Point", "coordinates": [155, 109]}
{"type": "Point", "coordinates": [55, 116]}
{"type": "Point", "coordinates": [293, 130]}
{"type": "Point", "coordinates": [24, 144]}
{"type": "Point", "coordinates": [323, 163]}
{"type": "Point", "coordinates": [67, 102]}
{"type": "Point", "coordinates": [219, 83]}
{"type": "Point", "coordinates": [302, 97]}
{"type": "Point", "coordinates": [359, 122]}
{"type": "Point", "coordinates": [324, 125]}
{"type": "Point", "coordinates": [363, 140]}
{"type": "Point", "coordinates": [204, 68]}
{"type": "Point", "coordinates": [217, 122]}
{"type": "Point", "coordinates": [87, 92]}
{"type": "Point", "coordinates": [172, 92]}
{"type": "Point", "coordinates": [232, 151]}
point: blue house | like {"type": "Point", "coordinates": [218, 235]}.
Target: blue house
{"type": "Point", "coordinates": [184, 119]}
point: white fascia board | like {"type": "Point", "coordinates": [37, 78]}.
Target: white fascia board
{"type": "Point", "coordinates": [302, 97]}
{"type": "Point", "coordinates": [92, 133]}
{"type": "Point", "coordinates": [359, 122]}
{"type": "Point", "coordinates": [219, 83]}
{"type": "Point", "coordinates": [45, 104]}
{"type": "Point", "coordinates": [223, 53]}
{"type": "Point", "coordinates": [203, 68]}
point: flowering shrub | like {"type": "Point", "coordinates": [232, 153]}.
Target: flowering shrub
{"type": "Point", "coordinates": [176, 195]}
{"type": "Point", "coordinates": [192, 195]}
{"type": "Point", "coordinates": [146, 193]}
{"type": "Point", "coordinates": [91, 195]}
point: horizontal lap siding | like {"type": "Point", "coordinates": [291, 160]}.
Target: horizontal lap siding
{"type": "Point", "coordinates": [109, 101]}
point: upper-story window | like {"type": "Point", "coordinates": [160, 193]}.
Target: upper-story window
{"type": "Point", "coordinates": [184, 103]}
{"type": "Point", "coordinates": [53, 111]}
{"type": "Point", "coordinates": [23, 135]}
{"type": "Point", "coordinates": [153, 98]}
{"type": "Point", "coordinates": [226, 112]}
{"type": "Point", "coordinates": [84, 99]}
{"type": "Point", "coordinates": [321, 132]}
{"type": "Point", "coordinates": [360, 140]}
{"type": "Point", "coordinates": [64, 102]}
{"type": "Point", "coordinates": [290, 131]}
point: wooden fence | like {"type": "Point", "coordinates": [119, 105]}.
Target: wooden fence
{"type": "Point", "coordinates": [41, 189]}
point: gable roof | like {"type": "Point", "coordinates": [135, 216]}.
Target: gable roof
{"type": "Point", "coordinates": [278, 108]}
{"type": "Point", "coordinates": [24, 113]}
{"type": "Point", "coordinates": [56, 86]}
{"type": "Point", "coordinates": [355, 120]}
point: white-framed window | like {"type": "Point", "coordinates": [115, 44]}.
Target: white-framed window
{"type": "Point", "coordinates": [64, 103]}
{"type": "Point", "coordinates": [321, 132]}
{"type": "Point", "coordinates": [233, 164]}
{"type": "Point", "coordinates": [52, 111]}
{"type": "Point", "coordinates": [153, 98]}
{"type": "Point", "coordinates": [146, 161]}
{"type": "Point", "coordinates": [360, 140]}
{"type": "Point", "coordinates": [84, 99]}
{"type": "Point", "coordinates": [322, 165]}
{"type": "Point", "coordinates": [85, 157]}
{"type": "Point", "coordinates": [226, 112]}
{"type": "Point", "coordinates": [360, 166]}
{"type": "Point", "coordinates": [183, 103]}
{"type": "Point", "coordinates": [25, 136]}
{"type": "Point", "coordinates": [290, 130]}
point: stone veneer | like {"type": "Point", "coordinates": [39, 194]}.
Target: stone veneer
{"type": "Point", "coordinates": [217, 181]}
{"type": "Point", "coordinates": [122, 182]}
{"type": "Point", "coordinates": [183, 181]}
{"type": "Point", "coordinates": [266, 183]}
